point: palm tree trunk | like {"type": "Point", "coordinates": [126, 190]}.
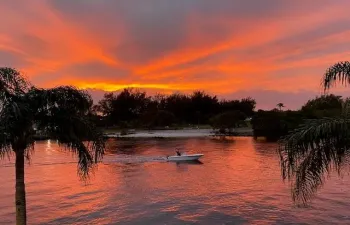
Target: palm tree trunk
{"type": "Point", "coordinates": [21, 214]}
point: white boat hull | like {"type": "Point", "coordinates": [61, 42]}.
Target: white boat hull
{"type": "Point", "coordinates": [184, 157]}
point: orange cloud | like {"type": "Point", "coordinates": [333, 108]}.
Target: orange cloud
{"type": "Point", "coordinates": [220, 47]}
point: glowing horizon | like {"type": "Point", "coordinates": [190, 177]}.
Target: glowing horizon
{"type": "Point", "coordinates": [271, 50]}
{"type": "Point", "coordinates": [117, 87]}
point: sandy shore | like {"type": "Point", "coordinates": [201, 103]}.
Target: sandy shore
{"type": "Point", "coordinates": [185, 133]}
{"type": "Point", "coordinates": [165, 133]}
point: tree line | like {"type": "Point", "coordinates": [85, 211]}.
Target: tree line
{"type": "Point", "coordinates": [276, 123]}
{"type": "Point", "coordinates": [133, 108]}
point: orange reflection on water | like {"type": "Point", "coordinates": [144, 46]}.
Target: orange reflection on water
{"type": "Point", "coordinates": [238, 182]}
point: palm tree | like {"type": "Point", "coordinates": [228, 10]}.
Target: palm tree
{"type": "Point", "coordinates": [319, 146]}
{"type": "Point", "coordinates": [61, 112]}
{"type": "Point", "coordinates": [280, 106]}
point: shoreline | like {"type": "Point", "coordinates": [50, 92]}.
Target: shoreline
{"type": "Point", "coordinates": [184, 133]}
{"type": "Point", "coordinates": [169, 133]}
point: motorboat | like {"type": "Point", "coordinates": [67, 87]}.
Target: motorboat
{"type": "Point", "coordinates": [184, 157]}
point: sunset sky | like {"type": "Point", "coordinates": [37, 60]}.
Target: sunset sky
{"type": "Point", "coordinates": [272, 50]}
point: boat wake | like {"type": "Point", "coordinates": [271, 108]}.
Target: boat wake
{"type": "Point", "coordinates": [191, 159]}
{"type": "Point", "coordinates": [40, 164]}
{"type": "Point", "coordinates": [133, 159]}
{"type": "Point", "coordinates": [111, 159]}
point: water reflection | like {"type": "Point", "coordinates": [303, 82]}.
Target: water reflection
{"type": "Point", "coordinates": [195, 162]}
{"type": "Point", "coordinates": [237, 182]}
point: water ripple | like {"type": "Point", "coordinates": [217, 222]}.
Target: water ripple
{"type": "Point", "coordinates": [238, 182]}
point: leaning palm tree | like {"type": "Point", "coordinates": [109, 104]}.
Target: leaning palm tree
{"type": "Point", "coordinates": [61, 112]}
{"type": "Point", "coordinates": [318, 147]}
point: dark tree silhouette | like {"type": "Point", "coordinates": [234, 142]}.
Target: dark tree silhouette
{"type": "Point", "coordinates": [226, 121]}
{"type": "Point", "coordinates": [319, 146]}
{"type": "Point", "coordinates": [61, 112]}
{"type": "Point", "coordinates": [132, 107]}
{"type": "Point", "coordinates": [280, 106]}
{"type": "Point", "coordinates": [126, 106]}
{"type": "Point", "coordinates": [246, 106]}
{"type": "Point", "coordinates": [323, 106]}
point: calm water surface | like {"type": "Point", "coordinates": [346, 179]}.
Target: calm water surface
{"type": "Point", "coordinates": [238, 182]}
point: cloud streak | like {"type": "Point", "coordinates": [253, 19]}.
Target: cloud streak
{"type": "Point", "coordinates": [223, 47]}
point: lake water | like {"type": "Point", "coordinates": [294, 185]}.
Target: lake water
{"type": "Point", "coordinates": [238, 182]}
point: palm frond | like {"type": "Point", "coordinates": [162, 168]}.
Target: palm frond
{"type": "Point", "coordinates": [5, 144]}
{"type": "Point", "coordinates": [63, 114]}
{"type": "Point", "coordinates": [16, 127]}
{"type": "Point", "coordinates": [339, 72]}
{"type": "Point", "coordinates": [313, 150]}
{"type": "Point", "coordinates": [81, 137]}
{"type": "Point", "coordinates": [15, 124]}
{"type": "Point", "coordinates": [12, 83]}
